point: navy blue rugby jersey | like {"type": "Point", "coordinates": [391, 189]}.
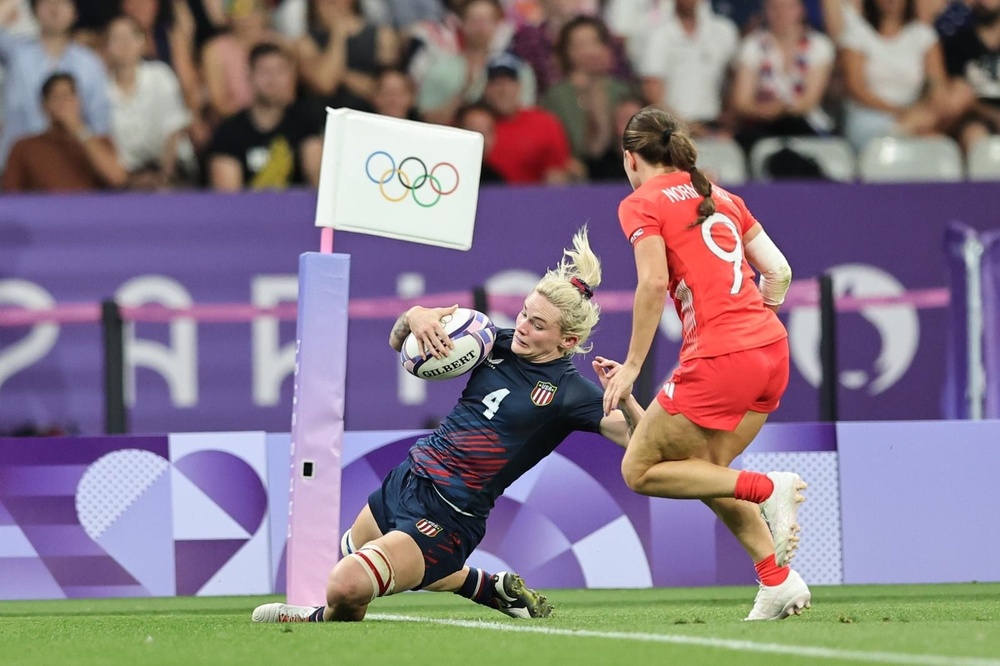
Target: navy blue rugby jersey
{"type": "Point", "coordinates": [512, 414]}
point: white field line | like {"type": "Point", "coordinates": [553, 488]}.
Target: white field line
{"type": "Point", "coordinates": [718, 643]}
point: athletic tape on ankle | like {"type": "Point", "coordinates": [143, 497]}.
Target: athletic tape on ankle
{"type": "Point", "coordinates": [347, 544]}
{"type": "Point", "coordinates": [375, 563]}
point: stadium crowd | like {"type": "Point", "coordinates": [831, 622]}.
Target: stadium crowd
{"type": "Point", "coordinates": [230, 94]}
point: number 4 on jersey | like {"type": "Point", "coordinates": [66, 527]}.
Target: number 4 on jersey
{"type": "Point", "coordinates": [493, 400]}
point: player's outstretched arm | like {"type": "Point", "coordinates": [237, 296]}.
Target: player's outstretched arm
{"type": "Point", "coordinates": [775, 273]}
{"type": "Point", "coordinates": [619, 425]}
{"type": "Point", "coordinates": [425, 324]}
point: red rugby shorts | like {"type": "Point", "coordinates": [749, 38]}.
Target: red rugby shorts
{"type": "Point", "coordinates": [717, 392]}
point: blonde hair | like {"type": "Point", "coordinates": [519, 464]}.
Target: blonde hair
{"type": "Point", "coordinates": [580, 313]}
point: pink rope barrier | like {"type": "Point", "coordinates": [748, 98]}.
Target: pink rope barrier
{"type": "Point", "coordinates": [802, 294]}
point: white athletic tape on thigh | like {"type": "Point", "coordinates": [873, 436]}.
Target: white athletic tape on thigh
{"type": "Point", "coordinates": [375, 563]}
{"type": "Point", "coordinates": [347, 544]}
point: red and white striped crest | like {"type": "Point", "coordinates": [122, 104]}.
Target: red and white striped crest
{"type": "Point", "coordinates": [543, 393]}
{"type": "Point", "coordinates": [425, 526]}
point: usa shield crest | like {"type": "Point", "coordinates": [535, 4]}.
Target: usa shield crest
{"type": "Point", "coordinates": [543, 393]}
{"type": "Point", "coordinates": [429, 528]}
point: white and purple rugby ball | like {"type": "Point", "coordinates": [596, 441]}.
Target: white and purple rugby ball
{"type": "Point", "coordinates": [473, 334]}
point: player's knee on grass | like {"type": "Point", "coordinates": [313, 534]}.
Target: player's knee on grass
{"type": "Point", "coordinates": [360, 582]}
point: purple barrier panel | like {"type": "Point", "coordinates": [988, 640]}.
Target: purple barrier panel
{"type": "Point", "coordinates": [279, 459]}
{"type": "Point", "coordinates": [991, 322]}
{"type": "Point", "coordinates": [893, 530]}
{"type": "Point", "coordinates": [85, 517]}
{"type": "Point", "coordinates": [219, 499]}
{"type": "Point", "coordinates": [572, 522]}
{"type": "Point", "coordinates": [183, 514]}
{"type": "Point", "coordinates": [169, 248]}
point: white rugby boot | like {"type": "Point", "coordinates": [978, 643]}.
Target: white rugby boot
{"type": "Point", "coordinates": [780, 601]}
{"type": "Point", "coordinates": [780, 512]}
{"type": "Point", "coordinates": [516, 599]}
{"type": "Point", "coordinates": [282, 613]}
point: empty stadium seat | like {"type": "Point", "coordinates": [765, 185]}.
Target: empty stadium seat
{"type": "Point", "coordinates": [911, 159]}
{"type": "Point", "coordinates": [983, 161]}
{"type": "Point", "coordinates": [834, 155]}
{"type": "Point", "coordinates": [723, 160]}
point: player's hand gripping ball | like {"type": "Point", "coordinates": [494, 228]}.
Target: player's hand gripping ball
{"type": "Point", "coordinates": [473, 335]}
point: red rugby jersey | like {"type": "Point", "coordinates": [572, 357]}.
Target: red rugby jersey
{"type": "Point", "coordinates": [712, 284]}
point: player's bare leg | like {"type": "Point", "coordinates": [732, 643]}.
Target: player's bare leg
{"type": "Point", "coordinates": [665, 459]}
{"type": "Point", "coordinates": [389, 564]}
{"type": "Point", "coordinates": [660, 459]}
{"type": "Point", "coordinates": [782, 591]}
{"type": "Point", "coordinates": [670, 456]}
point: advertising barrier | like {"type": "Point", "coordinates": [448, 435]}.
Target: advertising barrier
{"type": "Point", "coordinates": [199, 249]}
{"type": "Point", "coordinates": [206, 513]}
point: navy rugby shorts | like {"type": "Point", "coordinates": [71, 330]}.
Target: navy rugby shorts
{"type": "Point", "coordinates": [408, 503]}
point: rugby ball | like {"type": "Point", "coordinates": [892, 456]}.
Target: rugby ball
{"type": "Point", "coordinates": [473, 334]}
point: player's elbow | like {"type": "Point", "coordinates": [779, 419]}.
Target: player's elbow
{"type": "Point", "coordinates": [783, 275]}
{"type": "Point", "coordinates": [657, 284]}
{"type": "Point", "coordinates": [774, 283]}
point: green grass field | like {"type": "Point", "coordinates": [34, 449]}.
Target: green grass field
{"type": "Point", "coordinates": [938, 625]}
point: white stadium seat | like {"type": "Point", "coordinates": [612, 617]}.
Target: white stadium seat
{"type": "Point", "coordinates": [911, 159]}
{"type": "Point", "coordinates": [834, 155]}
{"type": "Point", "coordinates": [723, 160]}
{"type": "Point", "coordinates": [983, 161]}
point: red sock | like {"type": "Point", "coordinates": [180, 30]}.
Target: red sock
{"type": "Point", "coordinates": [770, 573]}
{"type": "Point", "coordinates": [753, 487]}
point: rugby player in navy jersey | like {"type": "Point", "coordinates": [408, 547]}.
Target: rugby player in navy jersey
{"type": "Point", "coordinates": [418, 529]}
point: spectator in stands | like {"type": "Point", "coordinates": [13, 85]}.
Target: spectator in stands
{"type": "Point", "coordinates": [406, 14]}
{"type": "Point", "coordinates": [634, 21]}
{"type": "Point", "coordinates": [454, 80]}
{"type": "Point", "coordinates": [687, 64]}
{"type": "Point", "coordinates": [210, 18]}
{"type": "Point", "coordinates": [169, 30]}
{"type": "Point", "coordinates": [427, 40]}
{"type": "Point", "coordinates": [30, 61]}
{"type": "Point", "coordinates": [609, 165]}
{"type": "Point", "coordinates": [531, 145]}
{"type": "Point", "coordinates": [291, 17]}
{"type": "Point", "coordinates": [272, 144]}
{"type": "Point", "coordinates": [68, 156]}
{"type": "Point", "coordinates": [952, 16]}
{"type": "Point", "coordinates": [16, 19]}
{"type": "Point", "coordinates": [92, 18]}
{"type": "Point", "coordinates": [225, 58]}
{"type": "Point", "coordinates": [748, 15]}
{"type": "Point", "coordinates": [972, 57]}
{"type": "Point", "coordinates": [894, 74]}
{"type": "Point", "coordinates": [586, 99]}
{"type": "Point", "coordinates": [782, 74]}
{"type": "Point", "coordinates": [536, 44]}
{"type": "Point", "coordinates": [149, 121]}
{"type": "Point", "coordinates": [946, 15]}
{"type": "Point", "coordinates": [395, 94]}
{"type": "Point", "coordinates": [478, 117]}
{"type": "Point", "coordinates": [342, 52]}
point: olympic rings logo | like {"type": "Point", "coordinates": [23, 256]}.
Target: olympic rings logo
{"type": "Point", "coordinates": [412, 183]}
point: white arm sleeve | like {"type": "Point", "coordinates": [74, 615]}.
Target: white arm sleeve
{"type": "Point", "coordinates": [775, 273]}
